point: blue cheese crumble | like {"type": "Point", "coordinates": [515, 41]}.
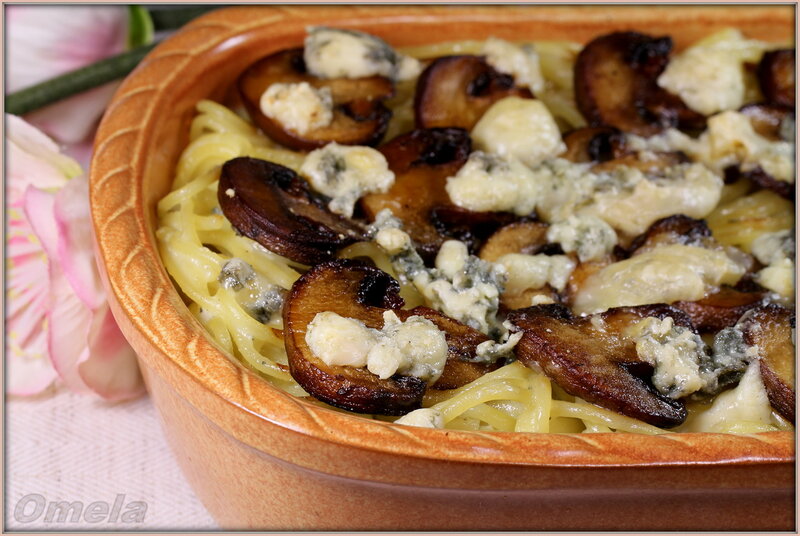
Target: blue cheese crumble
{"type": "Point", "coordinates": [414, 347]}
{"type": "Point", "coordinates": [259, 298]}
{"type": "Point", "coordinates": [521, 129]}
{"type": "Point", "coordinates": [491, 183]}
{"type": "Point", "coordinates": [589, 237]}
{"type": "Point", "coordinates": [298, 107]}
{"type": "Point", "coordinates": [423, 417]}
{"type": "Point", "coordinates": [776, 251]}
{"type": "Point", "coordinates": [345, 173]}
{"type": "Point", "coordinates": [337, 53]}
{"type": "Point", "coordinates": [520, 61]}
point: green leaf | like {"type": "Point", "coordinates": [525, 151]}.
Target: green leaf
{"type": "Point", "coordinates": [140, 27]}
{"type": "Point", "coordinates": [74, 82]}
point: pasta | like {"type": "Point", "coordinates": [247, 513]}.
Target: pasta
{"type": "Point", "coordinates": [196, 241]}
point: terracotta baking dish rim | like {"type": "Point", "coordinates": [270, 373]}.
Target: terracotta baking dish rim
{"type": "Point", "coordinates": [118, 208]}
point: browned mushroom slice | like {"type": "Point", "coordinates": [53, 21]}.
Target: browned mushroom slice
{"type": "Point", "coordinates": [720, 310]}
{"type": "Point", "coordinates": [776, 77]}
{"type": "Point", "coordinates": [768, 120]}
{"type": "Point", "coordinates": [615, 85]}
{"type": "Point", "coordinates": [521, 237]}
{"type": "Point", "coordinates": [455, 91]}
{"type": "Point", "coordinates": [596, 365]}
{"type": "Point", "coordinates": [677, 229]}
{"type": "Point", "coordinates": [769, 328]}
{"type": "Point", "coordinates": [762, 179]}
{"type": "Point", "coordinates": [272, 205]}
{"type": "Point", "coordinates": [468, 226]}
{"type": "Point", "coordinates": [359, 116]}
{"type": "Point", "coordinates": [364, 293]}
{"type": "Point", "coordinates": [594, 144]}
{"type": "Point", "coordinates": [421, 162]}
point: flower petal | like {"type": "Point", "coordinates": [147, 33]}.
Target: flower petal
{"type": "Point", "coordinates": [74, 120]}
{"type": "Point", "coordinates": [33, 159]}
{"type": "Point", "coordinates": [111, 370]}
{"type": "Point", "coordinates": [75, 253]}
{"type": "Point", "coordinates": [38, 207]}
{"type": "Point", "coordinates": [28, 368]}
{"type": "Point", "coordinates": [43, 41]}
{"type": "Point", "coordinates": [69, 321]}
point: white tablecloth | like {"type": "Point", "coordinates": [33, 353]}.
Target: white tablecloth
{"type": "Point", "coordinates": [77, 448]}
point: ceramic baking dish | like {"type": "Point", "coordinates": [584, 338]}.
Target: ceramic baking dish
{"type": "Point", "coordinates": [261, 459]}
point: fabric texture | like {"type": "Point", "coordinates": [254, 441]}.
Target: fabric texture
{"type": "Point", "coordinates": [110, 459]}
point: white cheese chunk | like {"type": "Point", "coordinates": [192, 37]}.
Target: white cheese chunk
{"type": "Point", "coordinates": [675, 353]}
{"type": "Point", "coordinates": [336, 53]}
{"type": "Point", "coordinates": [662, 275]}
{"type": "Point", "coordinates": [415, 347]}
{"type": "Point", "coordinates": [778, 277]}
{"type": "Point", "coordinates": [423, 417]}
{"type": "Point", "coordinates": [535, 271]}
{"type": "Point", "coordinates": [338, 340]}
{"type": "Point", "coordinates": [345, 173]}
{"type": "Point", "coordinates": [589, 236]}
{"type": "Point", "coordinates": [488, 183]}
{"type": "Point", "coordinates": [709, 76]}
{"type": "Point", "coordinates": [773, 247]}
{"type": "Point", "coordinates": [298, 107]}
{"type": "Point", "coordinates": [519, 128]}
{"type": "Point", "coordinates": [520, 61]}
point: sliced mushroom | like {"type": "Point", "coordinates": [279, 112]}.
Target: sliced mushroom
{"type": "Point", "coordinates": [364, 293]}
{"type": "Point", "coordinates": [421, 162]}
{"type": "Point", "coordinates": [677, 229]}
{"type": "Point", "coordinates": [776, 77]}
{"type": "Point", "coordinates": [721, 309]}
{"type": "Point", "coordinates": [769, 328]}
{"type": "Point", "coordinates": [615, 85]}
{"type": "Point", "coordinates": [272, 205]}
{"type": "Point", "coordinates": [768, 120]}
{"type": "Point", "coordinates": [597, 365]}
{"type": "Point", "coordinates": [594, 144]}
{"type": "Point", "coordinates": [468, 226]}
{"type": "Point", "coordinates": [359, 116]}
{"type": "Point", "coordinates": [762, 179]}
{"type": "Point", "coordinates": [521, 237]}
{"type": "Point", "coordinates": [455, 91]}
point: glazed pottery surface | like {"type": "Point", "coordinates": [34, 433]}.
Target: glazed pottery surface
{"type": "Point", "coordinates": [261, 459]}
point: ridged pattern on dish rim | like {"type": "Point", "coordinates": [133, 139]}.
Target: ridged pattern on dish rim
{"type": "Point", "coordinates": [163, 331]}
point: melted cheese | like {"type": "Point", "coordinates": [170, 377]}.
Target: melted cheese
{"type": "Point", "coordinates": [589, 236]}
{"type": "Point", "coordinates": [662, 275]}
{"type": "Point", "coordinates": [535, 271]}
{"type": "Point", "coordinates": [709, 76]}
{"type": "Point", "coordinates": [743, 409]}
{"type": "Point", "coordinates": [519, 128]}
{"type": "Point", "coordinates": [298, 107]}
{"type": "Point", "coordinates": [520, 61]}
{"type": "Point", "coordinates": [423, 417]}
{"type": "Point", "coordinates": [336, 53]}
{"type": "Point", "coordinates": [415, 347]}
{"type": "Point", "coordinates": [692, 190]}
{"type": "Point", "coordinates": [488, 183]}
{"type": "Point", "coordinates": [346, 173]}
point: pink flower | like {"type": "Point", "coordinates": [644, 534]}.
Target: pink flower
{"type": "Point", "coordinates": [59, 320]}
{"type": "Point", "coordinates": [43, 41]}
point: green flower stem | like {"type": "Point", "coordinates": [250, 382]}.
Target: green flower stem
{"type": "Point", "coordinates": [171, 19]}
{"type": "Point", "coordinates": [74, 82]}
